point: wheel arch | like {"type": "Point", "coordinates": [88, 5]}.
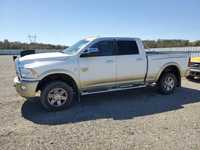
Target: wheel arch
{"type": "Point", "coordinates": [58, 76]}
{"type": "Point", "coordinates": [172, 68]}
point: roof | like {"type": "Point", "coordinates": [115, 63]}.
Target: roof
{"type": "Point", "coordinates": [107, 38]}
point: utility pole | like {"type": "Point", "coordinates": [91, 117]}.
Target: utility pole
{"type": "Point", "coordinates": [32, 38]}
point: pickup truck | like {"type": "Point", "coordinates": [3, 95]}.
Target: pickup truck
{"type": "Point", "coordinates": [194, 68]}
{"type": "Point", "coordinates": [96, 65]}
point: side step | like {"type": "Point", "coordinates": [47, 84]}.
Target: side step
{"type": "Point", "coordinates": [121, 88]}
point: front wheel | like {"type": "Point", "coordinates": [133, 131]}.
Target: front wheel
{"type": "Point", "coordinates": [167, 83]}
{"type": "Point", "coordinates": [56, 95]}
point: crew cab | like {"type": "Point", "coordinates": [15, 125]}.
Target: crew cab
{"type": "Point", "coordinates": [95, 65]}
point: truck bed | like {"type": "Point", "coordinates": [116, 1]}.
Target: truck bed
{"type": "Point", "coordinates": [150, 52]}
{"type": "Point", "coordinates": [157, 60]}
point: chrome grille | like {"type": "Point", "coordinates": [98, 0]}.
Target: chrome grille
{"type": "Point", "coordinates": [195, 65]}
{"type": "Point", "coordinates": [17, 68]}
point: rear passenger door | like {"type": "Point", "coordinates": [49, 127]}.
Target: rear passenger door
{"type": "Point", "coordinates": [130, 64]}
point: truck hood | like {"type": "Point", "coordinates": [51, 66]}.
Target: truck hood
{"type": "Point", "coordinates": [195, 59]}
{"type": "Point", "coordinates": [43, 57]}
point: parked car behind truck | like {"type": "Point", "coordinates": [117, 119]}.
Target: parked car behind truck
{"type": "Point", "coordinates": [95, 65]}
{"type": "Point", "coordinates": [194, 68]}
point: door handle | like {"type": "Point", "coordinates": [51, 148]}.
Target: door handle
{"type": "Point", "coordinates": [85, 69]}
{"type": "Point", "coordinates": [139, 59]}
{"type": "Point", "coordinates": [109, 61]}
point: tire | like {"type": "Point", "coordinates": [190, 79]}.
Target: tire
{"type": "Point", "coordinates": [56, 96]}
{"type": "Point", "coordinates": [167, 83]}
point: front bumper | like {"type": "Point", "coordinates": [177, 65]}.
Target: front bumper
{"type": "Point", "coordinates": [25, 88]}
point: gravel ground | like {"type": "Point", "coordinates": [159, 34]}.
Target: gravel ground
{"type": "Point", "coordinates": [134, 119]}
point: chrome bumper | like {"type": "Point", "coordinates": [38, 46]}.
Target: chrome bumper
{"type": "Point", "coordinates": [193, 72]}
{"type": "Point", "coordinates": [25, 88]}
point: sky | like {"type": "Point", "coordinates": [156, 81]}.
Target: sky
{"type": "Point", "coordinates": [67, 21]}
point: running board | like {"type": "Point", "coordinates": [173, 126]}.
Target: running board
{"type": "Point", "coordinates": [113, 90]}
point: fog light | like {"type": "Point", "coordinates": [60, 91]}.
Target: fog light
{"type": "Point", "coordinates": [23, 87]}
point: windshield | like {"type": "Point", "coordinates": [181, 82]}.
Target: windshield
{"type": "Point", "coordinates": [77, 46]}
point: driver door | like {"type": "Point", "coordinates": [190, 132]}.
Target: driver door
{"type": "Point", "coordinates": [97, 70]}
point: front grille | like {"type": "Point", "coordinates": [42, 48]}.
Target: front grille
{"type": "Point", "coordinates": [17, 68]}
{"type": "Point", "coordinates": [195, 65]}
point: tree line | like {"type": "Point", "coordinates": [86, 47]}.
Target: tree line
{"type": "Point", "coordinates": [28, 46]}
{"type": "Point", "coordinates": [161, 43]}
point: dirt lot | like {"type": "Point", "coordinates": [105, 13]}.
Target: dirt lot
{"type": "Point", "coordinates": [134, 119]}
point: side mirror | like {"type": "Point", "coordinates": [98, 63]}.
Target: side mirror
{"type": "Point", "coordinates": [89, 51]}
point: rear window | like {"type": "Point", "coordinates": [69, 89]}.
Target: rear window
{"type": "Point", "coordinates": [127, 47]}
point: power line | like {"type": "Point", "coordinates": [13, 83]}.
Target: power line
{"type": "Point", "coordinates": [32, 38]}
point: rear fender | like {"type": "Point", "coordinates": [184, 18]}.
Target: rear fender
{"type": "Point", "coordinates": [165, 66]}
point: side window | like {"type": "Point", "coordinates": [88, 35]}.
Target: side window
{"type": "Point", "coordinates": [105, 48]}
{"type": "Point", "coordinates": [127, 47]}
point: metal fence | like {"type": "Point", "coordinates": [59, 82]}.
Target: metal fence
{"type": "Point", "coordinates": [192, 51]}
{"type": "Point", "coordinates": [17, 51]}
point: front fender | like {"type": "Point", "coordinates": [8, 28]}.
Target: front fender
{"type": "Point", "coordinates": [61, 71]}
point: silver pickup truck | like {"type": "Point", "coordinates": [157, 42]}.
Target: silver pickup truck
{"type": "Point", "coordinates": [95, 65]}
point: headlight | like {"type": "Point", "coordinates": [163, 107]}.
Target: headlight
{"type": "Point", "coordinates": [28, 73]}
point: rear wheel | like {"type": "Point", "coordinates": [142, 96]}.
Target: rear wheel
{"type": "Point", "coordinates": [167, 83]}
{"type": "Point", "coordinates": [56, 95]}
